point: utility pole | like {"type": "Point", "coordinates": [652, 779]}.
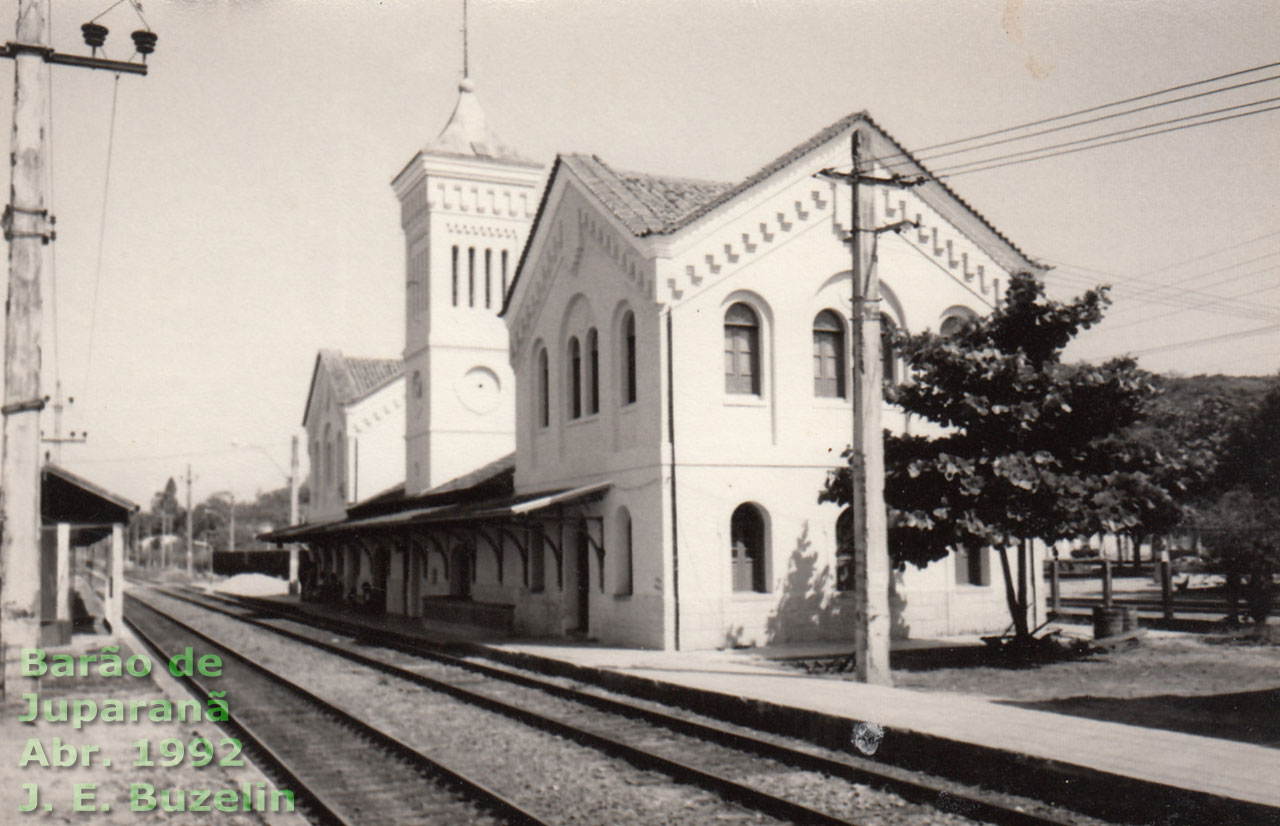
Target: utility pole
{"type": "Point", "coordinates": [872, 618]}
{"type": "Point", "coordinates": [28, 227]}
{"type": "Point", "coordinates": [188, 521]}
{"type": "Point", "coordinates": [293, 514]}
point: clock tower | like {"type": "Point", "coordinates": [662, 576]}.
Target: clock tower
{"type": "Point", "coordinates": [466, 203]}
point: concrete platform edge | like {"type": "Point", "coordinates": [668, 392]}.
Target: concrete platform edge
{"type": "Point", "coordinates": [1080, 788]}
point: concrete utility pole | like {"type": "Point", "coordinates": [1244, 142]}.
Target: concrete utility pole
{"type": "Point", "coordinates": [872, 618]}
{"type": "Point", "coordinates": [870, 530]}
{"type": "Point", "coordinates": [28, 227]}
{"type": "Point", "coordinates": [189, 568]}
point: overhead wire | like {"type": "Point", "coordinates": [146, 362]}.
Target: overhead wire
{"type": "Point", "coordinates": [102, 231]}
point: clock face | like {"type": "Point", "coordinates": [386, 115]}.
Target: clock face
{"type": "Point", "coordinates": [479, 390]}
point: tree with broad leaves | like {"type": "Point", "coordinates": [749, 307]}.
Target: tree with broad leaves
{"type": "Point", "coordinates": [1026, 447]}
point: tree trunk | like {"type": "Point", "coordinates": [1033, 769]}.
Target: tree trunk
{"type": "Point", "coordinates": [1017, 607]}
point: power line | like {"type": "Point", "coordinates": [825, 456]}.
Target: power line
{"type": "Point", "coordinates": [102, 232]}
{"type": "Point", "coordinates": [1177, 345]}
{"type": "Point", "coordinates": [1078, 124]}
{"type": "Point", "coordinates": [1098, 108]}
{"type": "Point", "coordinates": [1222, 119]}
{"type": "Point", "coordinates": [949, 171]}
{"type": "Point", "coordinates": [1182, 298]}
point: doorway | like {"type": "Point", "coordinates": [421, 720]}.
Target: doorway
{"type": "Point", "coordinates": [582, 578]}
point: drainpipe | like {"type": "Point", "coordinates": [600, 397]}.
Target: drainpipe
{"type": "Point", "coordinates": [675, 511]}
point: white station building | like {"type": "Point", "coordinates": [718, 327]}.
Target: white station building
{"type": "Point", "coordinates": [623, 394]}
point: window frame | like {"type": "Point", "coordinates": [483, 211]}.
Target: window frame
{"type": "Point", "coordinates": [837, 338]}
{"type": "Point", "coordinates": [737, 332]}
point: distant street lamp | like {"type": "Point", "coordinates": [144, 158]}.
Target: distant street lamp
{"type": "Point", "coordinates": [292, 477]}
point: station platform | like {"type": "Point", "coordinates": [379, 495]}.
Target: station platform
{"type": "Point", "coordinates": [1107, 769]}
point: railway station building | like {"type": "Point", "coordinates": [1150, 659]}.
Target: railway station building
{"type": "Point", "coordinates": [624, 391]}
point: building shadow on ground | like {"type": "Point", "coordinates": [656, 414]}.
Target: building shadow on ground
{"type": "Point", "coordinates": [1247, 716]}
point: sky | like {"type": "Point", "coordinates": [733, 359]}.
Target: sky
{"type": "Point", "coordinates": [235, 213]}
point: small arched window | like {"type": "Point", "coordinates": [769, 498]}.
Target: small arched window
{"type": "Point", "coordinates": [504, 276]}
{"type": "Point", "coordinates": [828, 355]}
{"type": "Point", "coordinates": [629, 358]}
{"type": "Point", "coordinates": [622, 570]}
{"type": "Point", "coordinates": [747, 549]}
{"type": "Point", "coordinates": [741, 350]}
{"type": "Point", "coordinates": [844, 551]}
{"type": "Point", "coordinates": [544, 389]}
{"type": "Point", "coordinates": [593, 372]}
{"type": "Point", "coordinates": [575, 378]}
{"type": "Point", "coordinates": [488, 278]}
{"type": "Point", "coordinates": [888, 355]}
{"type": "Point", "coordinates": [328, 456]}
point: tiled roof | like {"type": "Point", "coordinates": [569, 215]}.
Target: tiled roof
{"type": "Point", "coordinates": [646, 204]}
{"type": "Point", "coordinates": [355, 378]}
{"type": "Point", "coordinates": [652, 205]}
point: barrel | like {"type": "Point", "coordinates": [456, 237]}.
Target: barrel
{"type": "Point", "coordinates": [1109, 622]}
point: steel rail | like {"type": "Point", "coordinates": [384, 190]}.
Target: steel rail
{"type": "Point", "coordinates": [905, 782]}
{"type": "Point", "coordinates": [486, 797]}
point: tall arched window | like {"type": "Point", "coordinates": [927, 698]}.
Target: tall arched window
{"type": "Point", "coordinates": [593, 372]}
{"type": "Point", "coordinates": [455, 275]}
{"type": "Point", "coordinates": [888, 355]}
{"type": "Point", "coordinates": [741, 350]}
{"type": "Point", "coordinates": [747, 547]}
{"type": "Point", "coordinates": [575, 378]}
{"type": "Point", "coordinates": [471, 276]}
{"type": "Point", "coordinates": [828, 355]}
{"type": "Point", "coordinates": [488, 278]}
{"type": "Point", "coordinates": [628, 358]}
{"type": "Point", "coordinates": [544, 389]}
{"type": "Point", "coordinates": [341, 459]}
{"type": "Point", "coordinates": [844, 551]}
{"type": "Point", "coordinates": [622, 584]}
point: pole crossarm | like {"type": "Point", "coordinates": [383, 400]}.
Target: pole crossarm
{"type": "Point", "coordinates": [896, 181]}
{"type": "Point", "coordinates": [12, 50]}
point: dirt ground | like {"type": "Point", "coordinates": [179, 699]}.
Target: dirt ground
{"type": "Point", "coordinates": [1180, 682]}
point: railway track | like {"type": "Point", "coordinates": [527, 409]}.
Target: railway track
{"type": "Point", "coordinates": [341, 770]}
{"type": "Point", "coordinates": [695, 752]}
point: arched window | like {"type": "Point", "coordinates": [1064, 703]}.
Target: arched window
{"type": "Point", "coordinates": [741, 350]}
{"type": "Point", "coordinates": [575, 378]}
{"type": "Point", "coordinates": [622, 570]}
{"type": "Point", "coordinates": [629, 358]}
{"type": "Point", "coordinates": [888, 355]}
{"type": "Point", "coordinates": [471, 276]}
{"type": "Point", "coordinates": [488, 278]}
{"type": "Point", "coordinates": [455, 275]}
{"type": "Point", "coordinates": [747, 541]}
{"type": "Point", "coordinates": [341, 459]}
{"type": "Point", "coordinates": [844, 551]}
{"type": "Point", "coordinates": [544, 389]}
{"type": "Point", "coordinates": [593, 371]}
{"type": "Point", "coordinates": [956, 319]}
{"type": "Point", "coordinates": [504, 276]}
{"type": "Point", "coordinates": [828, 355]}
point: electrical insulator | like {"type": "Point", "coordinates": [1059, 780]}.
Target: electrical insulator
{"type": "Point", "coordinates": [144, 41]}
{"type": "Point", "coordinates": [95, 34]}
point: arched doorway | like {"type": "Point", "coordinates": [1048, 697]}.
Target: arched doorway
{"type": "Point", "coordinates": [460, 573]}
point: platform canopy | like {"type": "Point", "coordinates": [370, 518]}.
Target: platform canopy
{"type": "Point", "coordinates": [90, 509]}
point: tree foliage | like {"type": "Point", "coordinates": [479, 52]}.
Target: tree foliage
{"type": "Point", "coordinates": [1024, 447]}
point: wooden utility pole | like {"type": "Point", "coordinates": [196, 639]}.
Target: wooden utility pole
{"type": "Point", "coordinates": [28, 227]}
{"type": "Point", "coordinates": [189, 567]}
{"type": "Point", "coordinates": [28, 232]}
{"type": "Point", "coordinates": [293, 514]}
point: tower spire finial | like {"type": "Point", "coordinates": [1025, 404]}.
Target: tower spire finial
{"type": "Point", "coordinates": [465, 72]}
